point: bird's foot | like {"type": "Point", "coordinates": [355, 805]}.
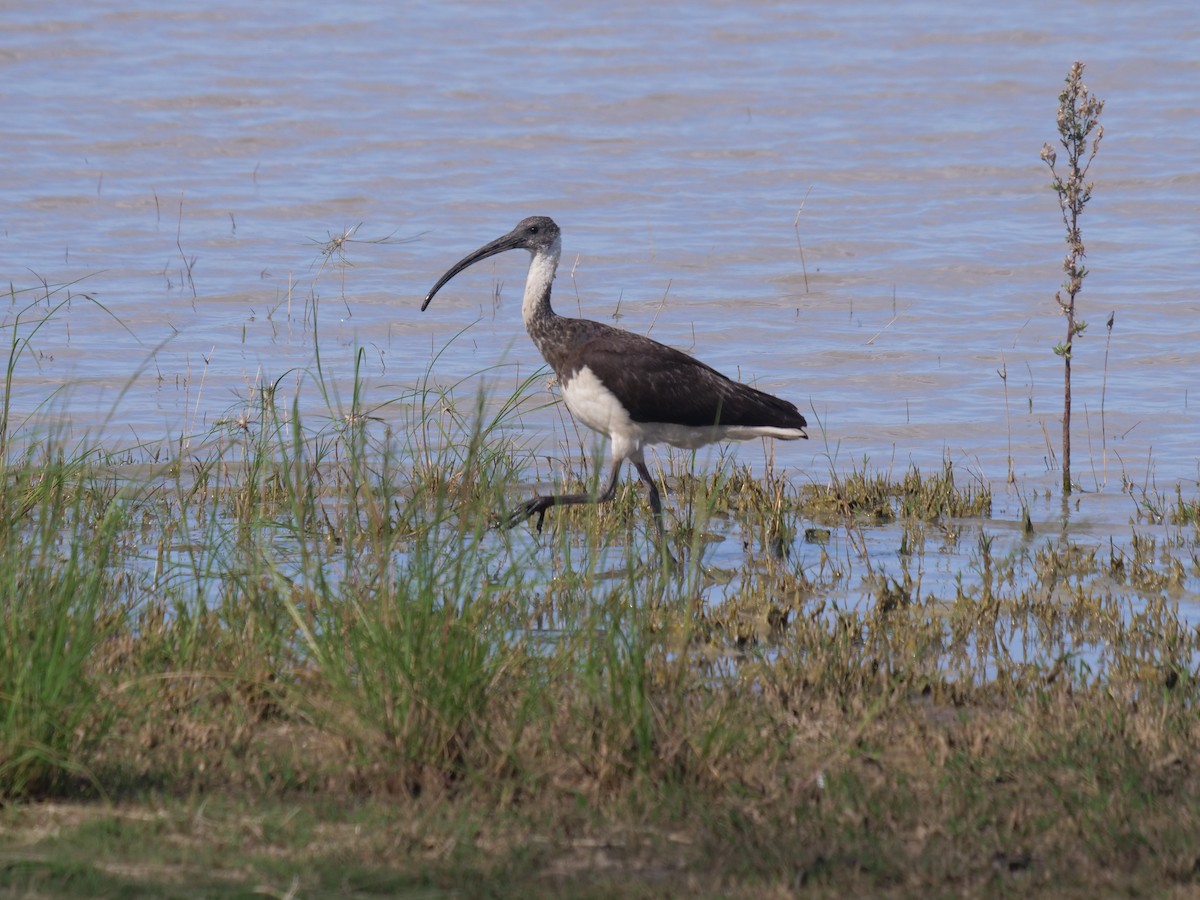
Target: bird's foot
{"type": "Point", "coordinates": [536, 506]}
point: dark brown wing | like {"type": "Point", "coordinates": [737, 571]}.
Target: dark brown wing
{"type": "Point", "coordinates": [656, 383]}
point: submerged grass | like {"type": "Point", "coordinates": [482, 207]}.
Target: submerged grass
{"type": "Point", "coordinates": [300, 658]}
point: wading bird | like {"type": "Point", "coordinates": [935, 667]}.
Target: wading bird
{"type": "Point", "coordinates": [629, 387]}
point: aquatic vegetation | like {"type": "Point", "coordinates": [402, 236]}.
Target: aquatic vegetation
{"type": "Point", "coordinates": [322, 613]}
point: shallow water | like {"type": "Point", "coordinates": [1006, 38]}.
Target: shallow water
{"type": "Point", "coordinates": [844, 205]}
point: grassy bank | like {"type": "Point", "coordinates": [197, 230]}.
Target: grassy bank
{"type": "Point", "coordinates": [298, 658]}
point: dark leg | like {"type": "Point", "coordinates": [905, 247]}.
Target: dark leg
{"type": "Point", "coordinates": [656, 508]}
{"type": "Point", "coordinates": [655, 500]}
{"type": "Point", "coordinates": [538, 505]}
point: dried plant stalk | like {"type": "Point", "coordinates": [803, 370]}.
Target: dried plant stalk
{"type": "Point", "coordinates": [1079, 132]}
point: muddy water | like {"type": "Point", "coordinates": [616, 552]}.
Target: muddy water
{"type": "Point", "coordinates": [841, 202]}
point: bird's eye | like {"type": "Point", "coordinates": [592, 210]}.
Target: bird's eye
{"type": "Point", "coordinates": [533, 229]}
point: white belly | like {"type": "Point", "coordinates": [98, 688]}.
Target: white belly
{"type": "Point", "coordinates": [596, 406]}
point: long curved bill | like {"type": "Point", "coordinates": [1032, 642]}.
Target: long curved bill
{"type": "Point", "coordinates": [510, 241]}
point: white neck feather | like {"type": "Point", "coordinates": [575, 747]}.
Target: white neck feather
{"type": "Point", "coordinates": [537, 285]}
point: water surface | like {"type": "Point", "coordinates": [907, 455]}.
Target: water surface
{"type": "Point", "coordinates": [841, 203]}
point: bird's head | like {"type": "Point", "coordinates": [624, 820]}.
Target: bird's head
{"type": "Point", "coordinates": [537, 234]}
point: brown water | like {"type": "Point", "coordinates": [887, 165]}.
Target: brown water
{"type": "Point", "coordinates": [843, 203]}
